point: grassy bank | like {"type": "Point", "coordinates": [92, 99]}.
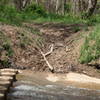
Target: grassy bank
{"type": "Point", "coordinates": [91, 47]}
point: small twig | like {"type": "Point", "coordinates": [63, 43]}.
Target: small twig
{"type": "Point", "coordinates": [67, 49]}
{"type": "Point", "coordinates": [70, 41]}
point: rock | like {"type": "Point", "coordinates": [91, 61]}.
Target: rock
{"type": "Point", "coordinates": [59, 45]}
{"type": "Point", "coordinates": [81, 78]}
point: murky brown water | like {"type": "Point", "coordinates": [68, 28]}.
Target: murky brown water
{"type": "Point", "coordinates": [35, 86]}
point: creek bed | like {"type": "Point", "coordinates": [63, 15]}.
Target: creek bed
{"type": "Point", "coordinates": [35, 86]}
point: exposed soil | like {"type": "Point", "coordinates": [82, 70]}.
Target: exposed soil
{"type": "Point", "coordinates": [67, 40]}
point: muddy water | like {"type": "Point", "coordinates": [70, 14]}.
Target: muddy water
{"type": "Point", "coordinates": [45, 86]}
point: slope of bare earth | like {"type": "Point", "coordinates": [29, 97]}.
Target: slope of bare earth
{"type": "Point", "coordinates": [21, 47]}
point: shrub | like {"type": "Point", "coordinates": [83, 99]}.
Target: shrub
{"type": "Point", "coordinates": [10, 15]}
{"type": "Point", "coordinates": [35, 9]}
{"type": "Point", "coordinates": [8, 48]}
{"type": "Point", "coordinates": [67, 7]}
{"type": "Point", "coordinates": [91, 47]}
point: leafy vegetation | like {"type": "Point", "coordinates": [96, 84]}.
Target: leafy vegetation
{"type": "Point", "coordinates": [9, 15]}
{"type": "Point", "coordinates": [91, 48]}
{"type": "Point", "coordinates": [6, 50]}
{"type": "Point", "coordinates": [6, 45]}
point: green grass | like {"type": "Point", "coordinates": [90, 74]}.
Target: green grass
{"type": "Point", "coordinates": [38, 14]}
{"type": "Point", "coordinates": [6, 50]}
{"type": "Point", "coordinates": [91, 47]}
{"type": "Point", "coordinates": [10, 15]}
{"type": "Point", "coordinates": [5, 44]}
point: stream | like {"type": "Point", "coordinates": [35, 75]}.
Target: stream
{"type": "Point", "coordinates": [36, 86]}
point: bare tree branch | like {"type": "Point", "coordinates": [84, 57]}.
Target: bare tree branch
{"type": "Point", "coordinates": [44, 56]}
{"type": "Point", "coordinates": [51, 50]}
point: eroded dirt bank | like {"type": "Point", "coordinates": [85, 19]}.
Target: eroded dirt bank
{"type": "Point", "coordinates": [19, 47]}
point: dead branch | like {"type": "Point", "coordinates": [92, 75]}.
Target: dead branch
{"type": "Point", "coordinates": [50, 67]}
{"type": "Point", "coordinates": [44, 56]}
{"type": "Point", "coordinates": [51, 50]}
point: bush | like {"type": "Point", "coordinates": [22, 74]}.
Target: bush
{"type": "Point", "coordinates": [67, 7]}
{"type": "Point", "coordinates": [10, 15]}
{"type": "Point", "coordinates": [95, 19]}
{"type": "Point", "coordinates": [91, 48]}
{"type": "Point", "coordinates": [8, 49]}
{"type": "Point", "coordinates": [35, 9]}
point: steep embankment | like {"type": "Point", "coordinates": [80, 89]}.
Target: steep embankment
{"type": "Point", "coordinates": [19, 47]}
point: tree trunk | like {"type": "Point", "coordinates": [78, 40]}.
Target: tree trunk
{"type": "Point", "coordinates": [55, 6]}
{"type": "Point", "coordinates": [83, 7]}
{"type": "Point", "coordinates": [91, 7]}
{"type": "Point", "coordinates": [60, 6]}
{"type": "Point", "coordinates": [20, 4]}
